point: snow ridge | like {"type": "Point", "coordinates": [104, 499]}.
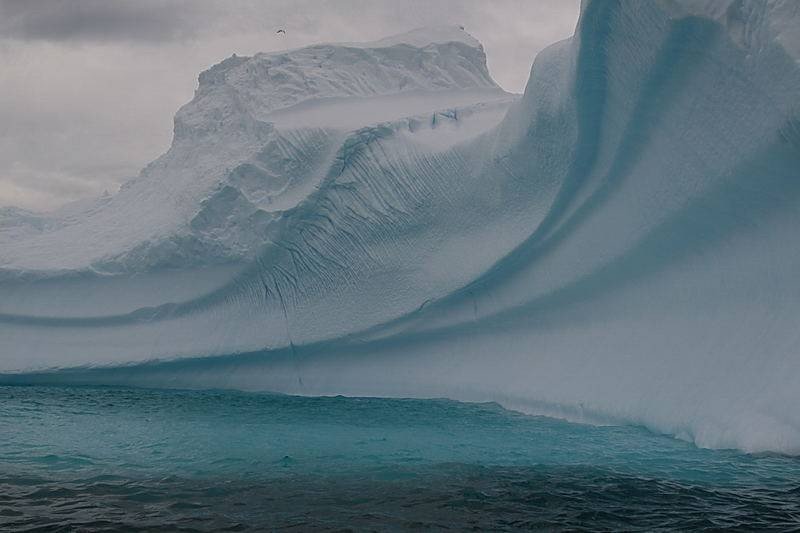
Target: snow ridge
{"type": "Point", "coordinates": [254, 140]}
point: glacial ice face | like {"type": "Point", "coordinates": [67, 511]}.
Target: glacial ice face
{"type": "Point", "coordinates": [617, 245]}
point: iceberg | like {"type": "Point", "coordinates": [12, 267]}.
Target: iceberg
{"type": "Point", "coordinates": [616, 245]}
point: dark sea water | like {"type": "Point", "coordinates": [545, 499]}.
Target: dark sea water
{"type": "Point", "coordinates": [113, 459]}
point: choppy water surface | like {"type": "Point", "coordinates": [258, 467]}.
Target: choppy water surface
{"type": "Point", "coordinates": [111, 459]}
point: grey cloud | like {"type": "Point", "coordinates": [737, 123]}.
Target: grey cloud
{"type": "Point", "coordinates": [97, 20]}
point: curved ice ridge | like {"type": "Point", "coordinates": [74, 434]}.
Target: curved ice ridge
{"type": "Point", "coordinates": [617, 246]}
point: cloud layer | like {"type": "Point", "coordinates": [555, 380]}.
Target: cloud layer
{"type": "Point", "coordinates": [98, 20]}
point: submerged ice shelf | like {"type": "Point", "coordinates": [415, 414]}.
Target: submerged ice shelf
{"type": "Point", "coordinates": [220, 460]}
{"type": "Point", "coordinates": [616, 245]}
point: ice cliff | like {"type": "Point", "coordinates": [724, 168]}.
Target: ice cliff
{"type": "Point", "coordinates": [617, 245]}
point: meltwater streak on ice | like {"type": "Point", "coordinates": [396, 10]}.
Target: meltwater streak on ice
{"type": "Point", "coordinates": [618, 248]}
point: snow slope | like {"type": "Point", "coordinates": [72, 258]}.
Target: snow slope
{"type": "Point", "coordinates": [617, 246]}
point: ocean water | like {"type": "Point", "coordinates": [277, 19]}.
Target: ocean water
{"type": "Point", "coordinates": [108, 459]}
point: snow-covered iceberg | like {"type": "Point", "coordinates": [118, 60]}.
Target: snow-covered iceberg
{"type": "Point", "coordinates": [617, 245]}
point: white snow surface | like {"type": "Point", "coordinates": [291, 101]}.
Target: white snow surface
{"type": "Point", "coordinates": [616, 246]}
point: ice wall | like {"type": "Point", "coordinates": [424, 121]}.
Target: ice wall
{"type": "Point", "coordinates": [618, 248]}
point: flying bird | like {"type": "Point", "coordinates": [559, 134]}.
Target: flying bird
{"type": "Point", "coordinates": [281, 31]}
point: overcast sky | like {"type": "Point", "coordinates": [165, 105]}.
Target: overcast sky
{"type": "Point", "coordinates": [88, 88]}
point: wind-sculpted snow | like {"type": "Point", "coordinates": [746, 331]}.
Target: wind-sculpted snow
{"type": "Point", "coordinates": [615, 246]}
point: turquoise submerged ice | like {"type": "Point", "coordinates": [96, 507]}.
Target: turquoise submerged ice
{"type": "Point", "coordinates": [83, 456]}
{"type": "Point", "coordinates": [616, 245]}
